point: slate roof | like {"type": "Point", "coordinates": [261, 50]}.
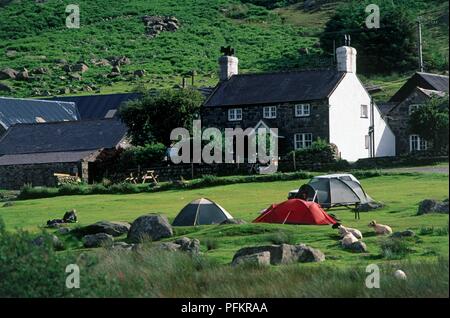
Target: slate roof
{"type": "Point", "coordinates": [18, 110]}
{"type": "Point", "coordinates": [268, 88]}
{"type": "Point", "coordinates": [62, 136]}
{"type": "Point", "coordinates": [45, 157]}
{"type": "Point", "coordinates": [98, 106]}
{"type": "Point", "coordinates": [427, 81]}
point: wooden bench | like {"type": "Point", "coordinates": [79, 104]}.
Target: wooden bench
{"type": "Point", "coordinates": [150, 176]}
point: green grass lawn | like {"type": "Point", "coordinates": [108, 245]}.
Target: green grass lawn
{"type": "Point", "coordinates": [400, 193]}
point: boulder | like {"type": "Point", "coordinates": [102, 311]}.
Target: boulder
{"type": "Point", "coordinates": [97, 240]}
{"type": "Point", "coordinates": [152, 226]}
{"type": "Point", "coordinates": [42, 239]}
{"type": "Point", "coordinates": [70, 216]}
{"type": "Point", "coordinates": [285, 253]}
{"type": "Point", "coordinates": [368, 206]}
{"type": "Point", "coordinates": [256, 259]}
{"type": "Point", "coordinates": [8, 204]}
{"type": "Point", "coordinates": [63, 230]}
{"type": "Point", "coordinates": [108, 227]}
{"type": "Point", "coordinates": [5, 88]}
{"type": "Point", "coordinates": [8, 73]}
{"type": "Point", "coordinates": [433, 206]}
{"type": "Point", "coordinates": [169, 246]}
{"type": "Point", "coordinates": [122, 246]}
{"type": "Point", "coordinates": [139, 73]}
{"type": "Point", "coordinates": [358, 246]}
{"type": "Point", "coordinates": [75, 77]}
{"type": "Point", "coordinates": [40, 70]}
{"type": "Point", "coordinates": [11, 53]}
{"type": "Point", "coordinates": [188, 245]}
{"type": "Point", "coordinates": [23, 75]}
{"type": "Point", "coordinates": [407, 233]}
{"type": "Point", "coordinates": [119, 60]}
{"type": "Point", "coordinates": [80, 67]}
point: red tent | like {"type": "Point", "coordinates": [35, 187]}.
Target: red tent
{"type": "Point", "coordinates": [295, 211]}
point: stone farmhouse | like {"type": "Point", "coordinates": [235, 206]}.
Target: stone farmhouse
{"type": "Point", "coordinates": [420, 88]}
{"type": "Point", "coordinates": [33, 153]}
{"type": "Point", "coordinates": [330, 104]}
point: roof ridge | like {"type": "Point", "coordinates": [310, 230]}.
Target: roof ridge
{"type": "Point", "coordinates": [67, 122]}
{"type": "Point", "coordinates": [434, 74]}
{"type": "Point", "coordinates": [287, 72]}
{"type": "Point", "coordinates": [37, 100]}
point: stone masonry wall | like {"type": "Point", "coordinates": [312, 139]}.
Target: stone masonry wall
{"type": "Point", "coordinates": [13, 177]}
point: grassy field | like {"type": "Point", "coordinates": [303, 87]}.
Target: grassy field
{"type": "Point", "coordinates": [400, 193]}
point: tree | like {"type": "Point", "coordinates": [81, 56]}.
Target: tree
{"type": "Point", "coordinates": [392, 47]}
{"type": "Point", "coordinates": [152, 118]}
{"type": "Point", "coordinates": [430, 122]}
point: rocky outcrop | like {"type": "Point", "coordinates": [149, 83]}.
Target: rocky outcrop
{"type": "Point", "coordinates": [8, 73]}
{"type": "Point", "coordinates": [433, 206]}
{"type": "Point", "coordinates": [256, 259]}
{"type": "Point", "coordinates": [108, 227]}
{"type": "Point", "coordinates": [98, 240]}
{"type": "Point", "coordinates": [150, 226]}
{"type": "Point", "coordinates": [154, 25]}
{"type": "Point", "coordinates": [285, 253]}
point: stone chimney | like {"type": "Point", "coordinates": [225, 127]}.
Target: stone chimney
{"type": "Point", "coordinates": [346, 59]}
{"type": "Point", "coordinates": [228, 64]}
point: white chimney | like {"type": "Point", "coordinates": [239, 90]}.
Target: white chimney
{"type": "Point", "coordinates": [346, 59]}
{"type": "Point", "coordinates": [228, 67]}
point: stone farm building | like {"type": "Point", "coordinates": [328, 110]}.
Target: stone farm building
{"type": "Point", "coordinates": [27, 111]}
{"type": "Point", "coordinates": [331, 104]}
{"type": "Point", "coordinates": [420, 88]}
{"type": "Point", "coordinates": [32, 153]}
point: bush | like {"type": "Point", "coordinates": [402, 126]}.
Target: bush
{"type": "Point", "coordinates": [395, 248]}
{"type": "Point", "coordinates": [320, 151]}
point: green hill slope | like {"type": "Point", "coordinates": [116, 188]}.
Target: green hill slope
{"type": "Point", "coordinates": [34, 35]}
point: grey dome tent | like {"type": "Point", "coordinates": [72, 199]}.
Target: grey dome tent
{"type": "Point", "coordinates": [201, 212]}
{"type": "Point", "coordinates": [334, 191]}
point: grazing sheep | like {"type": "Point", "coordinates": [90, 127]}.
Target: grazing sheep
{"type": "Point", "coordinates": [345, 230]}
{"type": "Point", "coordinates": [399, 274]}
{"type": "Point", "coordinates": [380, 229]}
{"type": "Point", "coordinates": [348, 240]}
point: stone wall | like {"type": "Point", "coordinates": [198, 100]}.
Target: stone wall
{"type": "Point", "coordinates": [286, 122]}
{"type": "Point", "coordinates": [13, 177]}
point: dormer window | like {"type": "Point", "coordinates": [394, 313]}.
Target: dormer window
{"type": "Point", "coordinates": [270, 112]}
{"type": "Point", "coordinates": [235, 114]}
{"type": "Point", "coordinates": [302, 110]}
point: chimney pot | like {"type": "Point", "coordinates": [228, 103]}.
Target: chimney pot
{"type": "Point", "coordinates": [346, 59]}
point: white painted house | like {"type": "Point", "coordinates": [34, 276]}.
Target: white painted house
{"type": "Point", "coordinates": [304, 105]}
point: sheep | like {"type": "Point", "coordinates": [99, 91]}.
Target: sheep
{"type": "Point", "coordinates": [344, 230]}
{"type": "Point", "coordinates": [380, 229]}
{"type": "Point", "coordinates": [348, 240]}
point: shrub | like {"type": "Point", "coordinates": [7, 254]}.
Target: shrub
{"type": "Point", "coordinates": [320, 151]}
{"type": "Point", "coordinates": [72, 189]}
{"type": "Point", "coordinates": [126, 188]}
{"type": "Point", "coordinates": [144, 156]}
{"type": "Point", "coordinates": [395, 248]}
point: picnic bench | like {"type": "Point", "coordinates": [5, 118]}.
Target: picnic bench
{"type": "Point", "coordinates": [150, 176]}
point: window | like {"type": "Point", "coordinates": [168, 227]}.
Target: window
{"type": "Point", "coordinates": [235, 114]}
{"type": "Point", "coordinates": [417, 144]}
{"type": "Point", "coordinates": [364, 111]}
{"type": "Point", "coordinates": [413, 108]}
{"type": "Point", "coordinates": [270, 112]}
{"type": "Point", "coordinates": [302, 110]}
{"type": "Point", "coordinates": [367, 141]}
{"type": "Point", "coordinates": [302, 141]}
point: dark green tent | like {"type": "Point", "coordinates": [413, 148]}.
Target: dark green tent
{"type": "Point", "coordinates": [201, 212]}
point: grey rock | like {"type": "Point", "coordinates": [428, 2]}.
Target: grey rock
{"type": "Point", "coordinates": [40, 70]}
{"type": "Point", "coordinates": [75, 77]}
{"type": "Point", "coordinates": [358, 246]}
{"type": "Point", "coordinates": [285, 253]}
{"type": "Point", "coordinates": [433, 206]}
{"type": "Point", "coordinates": [97, 240]}
{"type": "Point", "coordinates": [169, 246]}
{"type": "Point", "coordinates": [42, 239]}
{"type": "Point", "coordinates": [139, 73]}
{"type": "Point", "coordinates": [80, 67]}
{"type": "Point", "coordinates": [188, 245]}
{"type": "Point", "coordinates": [108, 227]}
{"type": "Point", "coordinates": [407, 233]}
{"type": "Point", "coordinates": [23, 75]}
{"type": "Point", "coordinates": [5, 88]}
{"type": "Point", "coordinates": [256, 259]}
{"type": "Point", "coordinates": [63, 230]}
{"type": "Point", "coordinates": [8, 73]}
{"type": "Point", "coordinates": [122, 246]}
{"type": "Point", "coordinates": [369, 206]}
{"type": "Point", "coordinates": [152, 226]}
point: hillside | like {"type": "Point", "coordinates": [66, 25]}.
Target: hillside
{"type": "Point", "coordinates": [33, 35]}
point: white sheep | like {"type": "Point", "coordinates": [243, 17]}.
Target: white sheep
{"type": "Point", "coordinates": [380, 229]}
{"type": "Point", "coordinates": [348, 240]}
{"type": "Point", "coordinates": [345, 230]}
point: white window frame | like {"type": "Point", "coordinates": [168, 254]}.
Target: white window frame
{"type": "Point", "coordinates": [413, 107]}
{"type": "Point", "coordinates": [234, 114]}
{"type": "Point", "coordinates": [270, 112]}
{"type": "Point", "coordinates": [416, 143]}
{"type": "Point", "coordinates": [364, 112]}
{"type": "Point", "coordinates": [302, 110]}
{"type": "Point", "coordinates": [303, 140]}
